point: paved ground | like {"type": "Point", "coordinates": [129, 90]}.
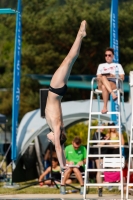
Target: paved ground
{"type": "Point", "coordinates": [62, 197]}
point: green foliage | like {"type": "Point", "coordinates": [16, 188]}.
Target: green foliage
{"type": "Point", "coordinates": [80, 130]}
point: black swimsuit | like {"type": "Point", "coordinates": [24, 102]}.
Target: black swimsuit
{"type": "Point", "coordinates": [60, 91]}
{"type": "Point", "coordinates": [56, 175]}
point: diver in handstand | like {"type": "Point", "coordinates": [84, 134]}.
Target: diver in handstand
{"type": "Point", "coordinates": [57, 89]}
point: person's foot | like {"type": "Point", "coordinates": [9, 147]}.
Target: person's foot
{"type": "Point", "coordinates": [114, 97]}
{"type": "Point", "coordinates": [104, 111]}
{"type": "Point", "coordinates": [50, 137]}
{"type": "Point", "coordinates": [82, 29]}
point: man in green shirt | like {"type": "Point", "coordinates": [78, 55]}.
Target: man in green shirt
{"type": "Point", "coordinates": [75, 159]}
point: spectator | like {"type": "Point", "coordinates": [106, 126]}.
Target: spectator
{"type": "Point", "coordinates": [112, 134]}
{"type": "Point", "coordinates": [47, 157]}
{"type": "Point", "coordinates": [105, 72]}
{"type": "Point", "coordinates": [75, 155]}
{"type": "Point", "coordinates": [56, 174]}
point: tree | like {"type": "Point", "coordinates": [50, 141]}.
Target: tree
{"type": "Point", "coordinates": [49, 29]}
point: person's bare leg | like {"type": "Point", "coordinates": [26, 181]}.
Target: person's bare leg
{"type": "Point", "coordinates": [98, 176]}
{"type": "Point", "coordinates": [106, 83]}
{"type": "Point", "coordinates": [100, 84]}
{"type": "Point", "coordinates": [78, 175]}
{"type": "Point", "coordinates": [69, 181]}
{"type": "Point", "coordinates": [66, 175]}
{"type": "Point", "coordinates": [48, 182]}
{"type": "Point", "coordinates": [62, 74]}
{"type": "Point", "coordinates": [106, 87]}
{"type": "Point", "coordinates": [105, 95]}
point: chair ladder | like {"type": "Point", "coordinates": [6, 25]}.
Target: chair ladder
{"type": "Point", "coordinates": [89, 142]}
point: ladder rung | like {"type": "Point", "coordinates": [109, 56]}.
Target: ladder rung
{"type": "Point", "coordinates": [104, 170]}
{"type": "Point", "coordinates": [104, 155]}
{"type": "Point", "coordinates": [102, 145]}
{"type": "Point", "coordinates": [131, 170]}
{"type": "Point", "coordinates": [99, 113]}
{"type": "Point", "coordinates": [130, 184]}
{"type": "Point", "coordinates": [99, 127]}
{"type": "Point", "coordinates": [105, 141]}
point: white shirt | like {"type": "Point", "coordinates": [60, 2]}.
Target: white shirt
{"type": "Point", "coordinates": [109, 68]}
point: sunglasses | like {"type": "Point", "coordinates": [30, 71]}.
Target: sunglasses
{"type": "Point", "coordinates": [109, 55]}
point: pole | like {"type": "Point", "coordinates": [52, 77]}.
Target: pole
{"type": "Point", "coordinates": [16, 80]}
{"type": "Point", "coordinates": [115, 45]}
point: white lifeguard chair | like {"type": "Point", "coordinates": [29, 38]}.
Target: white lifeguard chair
{"type": "Point", "coordinates": [96, 92]}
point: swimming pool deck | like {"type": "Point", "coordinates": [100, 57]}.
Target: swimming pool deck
{"type": "Point", "coordinates": [63, 197]}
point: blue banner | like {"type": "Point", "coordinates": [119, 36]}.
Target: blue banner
{"type": "Point", "coordinates": [114, 44]}
{"type": "Point", "coordinates": [16, 80]}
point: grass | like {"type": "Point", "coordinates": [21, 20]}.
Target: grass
{"type": "Point", "coordinates": [46, 190]}
{"type": "Point", "coordinates": [36, 189]}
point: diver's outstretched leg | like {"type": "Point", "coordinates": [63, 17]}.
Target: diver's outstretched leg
{"type": "Point", "coordinates": [62, 74]}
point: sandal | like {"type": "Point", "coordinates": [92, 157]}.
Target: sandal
{"type": "Point", "coordinates": [104, 112]}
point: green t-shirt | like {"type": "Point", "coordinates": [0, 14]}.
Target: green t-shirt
{"type": "Point", "coordinates": [75, 155]}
